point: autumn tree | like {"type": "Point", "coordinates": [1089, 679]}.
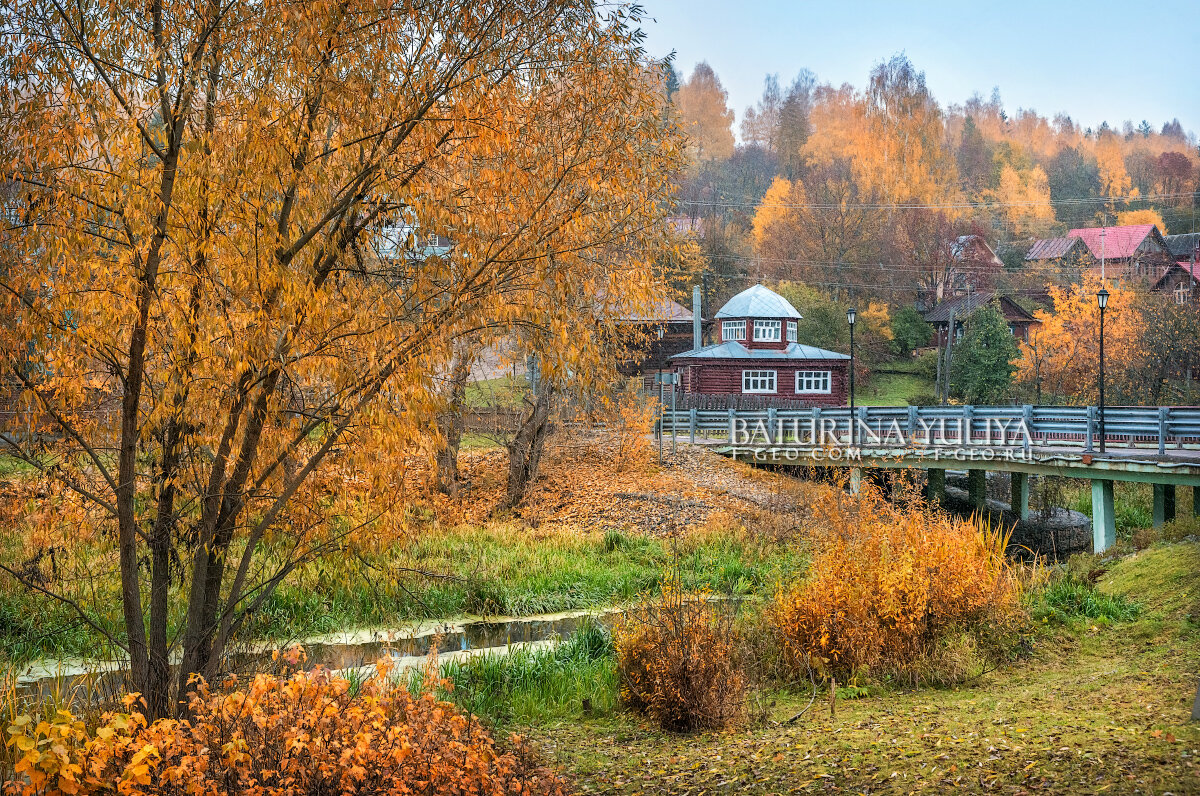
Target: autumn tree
{"type": "Point", "coordinates": [705, 115]}
{"type": "Point", "coordinates": [220, 343]}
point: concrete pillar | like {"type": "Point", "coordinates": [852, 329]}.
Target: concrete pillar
{"type": "Point", "coordinates": [1020, 495]}
{"type": "Point", "coordinates": [1196, 501]}
{"type": "Point", "coordinates": [1164, 503]}
{"type": "Point", "coordinates": [977, 489]}
{"type": "Point", "coordinates": [855, 480]}
{"type": "Point", "coordinates": [935, 487]}
{"type": "Point", "coordinates": [1104, 523]}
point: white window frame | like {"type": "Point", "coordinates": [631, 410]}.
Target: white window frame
{"type": "Point", "coordinates": [1181, 294]}
{"type": "Point", "coordinates": [792, 332]}
{"type": "Point", "coordinates": [773, 327]}
{"type": "Point", "coordinates": [754, 381]}
{"type": "Point", "coordinates": [733, 330]}
{"type": "Point", "coordinates": [816, 378]}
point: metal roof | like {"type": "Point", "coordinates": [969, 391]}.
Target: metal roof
{"type": "Point", "coordinates": [758, 302]}
{"type": "Point", "coordinates": [1050, 248]}
{"type": "Point", "coordinates": [1182, 246]}
{"type": "Point", "coordinates": [1119, 242]}
{"type": "Point", "coordinates": [661, 311]}
{"type": "Point", "coordinates": [965, 305]}
{"type": "Point", "coordinates": [731, 349]}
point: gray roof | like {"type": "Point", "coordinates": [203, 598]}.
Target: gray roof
{"type": "Point", "coordinates": [965, 305]}
{"type": "Point", "coordinates": [758, 302]}
{"type": "Point", "coordinates": [731, 349]}
{"type": "Point", "coordinates": [1181, 246]}
{"type": "Point", "coordinates": [1050, 248]}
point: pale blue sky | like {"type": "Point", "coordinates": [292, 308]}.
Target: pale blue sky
{"type": "Point", "coordinates": [1095, 61]}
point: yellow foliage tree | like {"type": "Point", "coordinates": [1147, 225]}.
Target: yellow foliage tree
{"type": "Point", "coordinates": [776, 205]}
{"type": "Point", "coordinates": [229, 318]}
{"type": "Point", "coordinates": [1144, 216]}
{"type": "Point", "coordinates": [1023, 199]}
{"type": "Point", "coordinates": [705, 115]}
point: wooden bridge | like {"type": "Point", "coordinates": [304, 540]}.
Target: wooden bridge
{"type": "Point", "coordinates": [1155, 445]}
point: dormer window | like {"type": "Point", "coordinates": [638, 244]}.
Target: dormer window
{"type": "Point", "coordinates": [733, 330]}
{"type": "Point", "coordinates": [792, 337]}
{"type": "Point", "coordinates": [767, 331]}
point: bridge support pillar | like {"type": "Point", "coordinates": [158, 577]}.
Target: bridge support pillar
{"type": "Point", "coordinates": [1020, 495]}
{"type": "Point", "coordinates": [977, 489]}
{"type": "Point", "coordinates": [856, 475]}
{"type": "Point", "coordinates": [1104, 523]}
{"type": "Point", "coordinates": [935, 487]}
{"type": "Point", "coordinates": [1196, 501]}
{"type": "Point", "coordinates": [1164, 503]}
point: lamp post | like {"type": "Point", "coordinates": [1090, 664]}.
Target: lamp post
{"type": "Point", "coordinates": [851, 314]}
{"type": "Point", "coordinates": [1102, 302]}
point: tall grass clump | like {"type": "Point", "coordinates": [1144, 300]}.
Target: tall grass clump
{"type": "Point", "coordinates": [1073, 597]}
{"type": "Point", "coordinates": [577, 675]}
{"type": "Point", "coordinates": [912, 593]}
{"type": "Point", "coordinates": [678, 659]}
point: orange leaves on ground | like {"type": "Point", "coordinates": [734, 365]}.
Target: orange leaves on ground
{"type": "Point", "coordinates": [884, 592]}
{"type": "Point", "coordinates": [279, 736]}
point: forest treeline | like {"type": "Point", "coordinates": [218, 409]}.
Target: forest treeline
{"type": "Point", "coordinates": [856, 191]}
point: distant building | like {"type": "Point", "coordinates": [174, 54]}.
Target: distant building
{"type": "Point", "coordinates": [1019, 320]}
{"type": "Point", "coordinates": [759, 354]}
{"type": "Point", "coordinates": [666, 330]}
{"type": "Point", "coordinates": [1180, 284]}
{"type": "Point", "coordinates": [1133, 252]}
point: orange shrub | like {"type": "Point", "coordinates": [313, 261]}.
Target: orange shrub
{"type": "Point", "coordinates": [280, 736]}
{"type": "Point", "coordinates": [677, 659]}
{"type": "Point", "coordinates": [884, 594]}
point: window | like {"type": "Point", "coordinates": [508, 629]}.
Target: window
{"type": "Point", "coordinates": [812, 381]}
{"type": "Point", "coordinates": [767, 331]}
{"type": "Point", "coordinates": [733, 330]}
{"type": "Point", "coordinates": [758, 381]}
{"type": "Point", "coordinates": [1181, 293]}
{"type": "Point", "coordinates": [792, 332]}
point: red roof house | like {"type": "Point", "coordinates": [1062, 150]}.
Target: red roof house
{"type": "Point", "coordinates": [759, 354]}
{"type": "Point", "coordinates": [1135, 251]}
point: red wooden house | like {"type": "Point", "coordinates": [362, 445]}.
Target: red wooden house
{"type": "Point", "coordinates": [758, 354]}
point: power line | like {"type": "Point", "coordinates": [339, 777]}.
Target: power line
{"type": "Point", "coordinates": [1081, 201]}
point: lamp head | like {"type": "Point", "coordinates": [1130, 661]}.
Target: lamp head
{"type": "Point", "coordinates": [1102, 298]}
{"type": "Point", "coordinates": [851, 314]}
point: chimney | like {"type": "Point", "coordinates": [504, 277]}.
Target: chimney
{"type": "Point", "coordinates": [696, 318]}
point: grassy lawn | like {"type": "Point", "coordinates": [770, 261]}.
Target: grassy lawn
{"type": "Point", "coordinates": [893, 389]}
{"type": "Point", "coordinates": [1097, 706]}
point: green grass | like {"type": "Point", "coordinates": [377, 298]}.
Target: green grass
{"type": "Point", "coordinates": [495, 570]}
{"type": "Point", "coordinates": [501, 391]}
{"type": "Point", "coordinates": [1070, 597]}
{"type": "Point", "coordinates": [1133, 504]}
{"type": "Point", "coordinates": [893, 389]}
{"type": "Point", "coordinates": [574, 678]}
{"type": "Point", "coordinates": [11, 466]}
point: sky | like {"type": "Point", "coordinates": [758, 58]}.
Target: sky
{"type": "Point", "coordinates": [1095, 61]}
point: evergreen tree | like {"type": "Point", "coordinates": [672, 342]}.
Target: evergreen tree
{"type": "Point", "coordinates": [910, 330]}
{"type": "Point", "coordinates": [983, 360]}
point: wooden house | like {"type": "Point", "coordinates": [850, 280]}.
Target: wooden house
{"type": "Point", "coordinates": [1019, 320]}
{"type": "Point", "coordinates": [1181, 283]}
{"type": "Point", "coordinates": [1135, 252]}
{"type": "Point", "coordinates": [664, 330]}
{"type": "Point", "coordinates": [758, 353]}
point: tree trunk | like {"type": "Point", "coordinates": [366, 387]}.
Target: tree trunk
{"type": "Point", "coordinates": [525, 450]}
{"type": "Point", "coordinates": [450, 424]}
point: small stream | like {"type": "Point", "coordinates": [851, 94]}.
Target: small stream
{"type": "Point", "coordinates": [408, 646]}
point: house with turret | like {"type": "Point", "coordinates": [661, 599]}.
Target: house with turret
{"type": "Point", "coordinates": [758, 353]}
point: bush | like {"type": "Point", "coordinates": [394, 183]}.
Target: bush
{"type": "Point", "coordinates": [910, 330]}
{"type": "Point", "coordinates": [1073, 597]}
{"type": "Point", "coordinates": [302, 734]}
{"type": "Point", "coordinates": [887, 594]}
{"type": "Point", "coordinates": [677, 657]}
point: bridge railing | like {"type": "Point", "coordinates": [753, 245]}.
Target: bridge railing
{"type": "Point", "coordinates": [1156, 427]}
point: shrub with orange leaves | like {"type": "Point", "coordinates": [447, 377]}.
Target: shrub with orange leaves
{"type": "Point", "coordinates": [889, 592]}
{"type": "Point", "coordinates": [677, 656]}
{"type": "Point", "coordinates": [279, 736]}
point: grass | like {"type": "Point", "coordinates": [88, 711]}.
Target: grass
{"type": "Point", "coordinates": [893, 389]}
{"type": "Point", "coordinates": [1133, 504]}
{"type": "Point", "coordinates": [11, 466]}
{"type": "Point", "coordinates": [497, 569]}
{"type": "Point", "coordinates": [1070, 597]}
{"type": "Point", "coordinates": [505, 391]}
{"type": "Point", "coordinates": [576, 677]}
{"type": "Point", "coordinates": [1095, 707]}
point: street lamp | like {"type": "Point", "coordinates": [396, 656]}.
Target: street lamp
{"type": "Point", "coordinates": [1102, 302]}
{"type": "Point", "coordinates": [851, 314]}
